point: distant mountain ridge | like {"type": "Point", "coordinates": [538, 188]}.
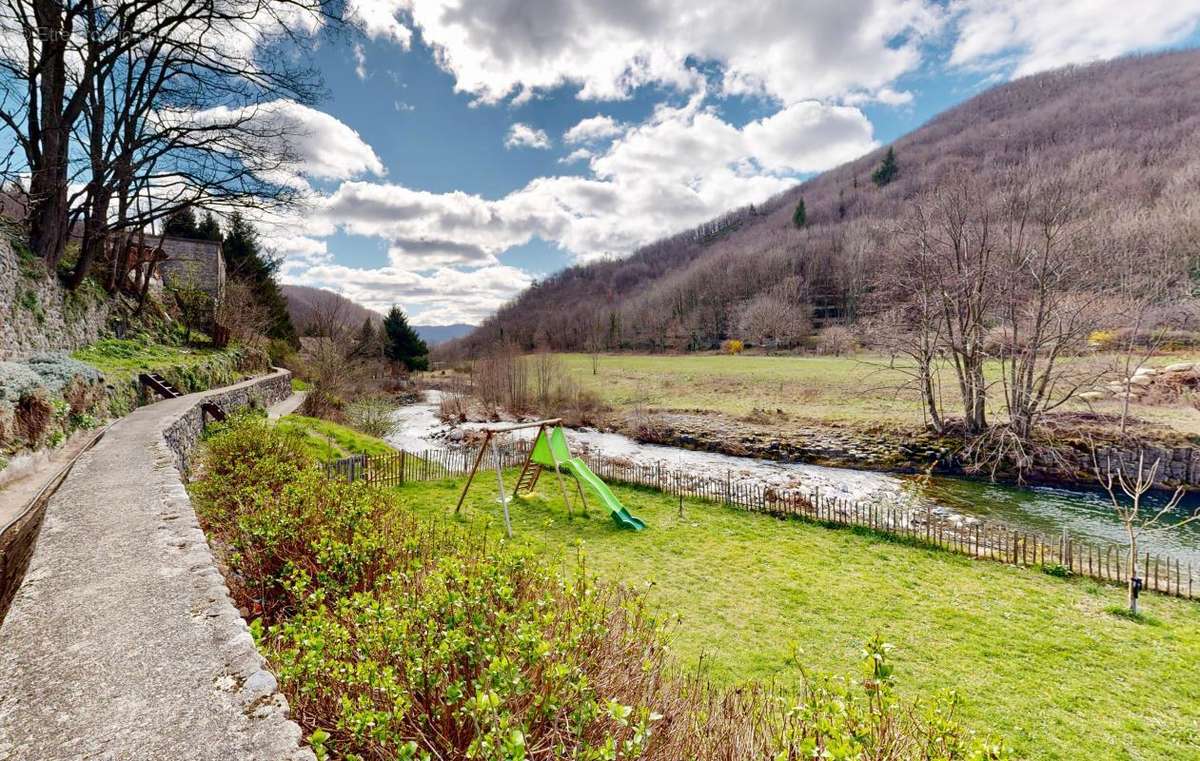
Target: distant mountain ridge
{"type": "Point", "coordinates": [310, 307]}
{"type": "Point", "coordinates": [1127, 133]}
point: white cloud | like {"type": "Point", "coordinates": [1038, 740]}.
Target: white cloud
{"type": "Point", "coordinates": [360, 61]}
{"type": "Point", "coordinates": [321, 146]}
{"type": "Point", "coordinates": [593, 129]}
{"type": "Point", "coordinates": [682, 167]}
{"type": "Point", "coordinates": [381, 19]}
{"type": "Point", "coordinates": [440, 297]}
{"type": "Point", "coordinates": [790, 50]}
{"type": "Point", "coordinates": [524, 136]}
{"type": "Point", "coordinates": [884, 95]}
{"type": "Point", "coordinates": [1031, 35]}
{"type": "Point", "coordinates": [579, 154]}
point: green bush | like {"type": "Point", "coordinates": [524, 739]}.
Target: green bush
{"type": "Point", "coordinates": [399, 638]}
{"type": "Point", "coordinates": [373, 416]}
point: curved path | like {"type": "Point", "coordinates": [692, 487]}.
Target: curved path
{"type": "Point", "coordinates": [122, 642]}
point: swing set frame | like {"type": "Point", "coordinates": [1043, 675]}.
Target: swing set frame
{"type": "Point", "coordinates": [530, 471]}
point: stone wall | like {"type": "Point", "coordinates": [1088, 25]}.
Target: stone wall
{"type": "Point", "coordinates": [183, 432]}
{"type": "Point", "coordinates": [38, 314]}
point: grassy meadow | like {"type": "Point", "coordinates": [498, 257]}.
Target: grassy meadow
{"type": "Point", "coordinates": [1042, 661]}
{"type": "Point", "coordinates": [858, 390]}
{"type": "Point", "coordinates": [326, 440]}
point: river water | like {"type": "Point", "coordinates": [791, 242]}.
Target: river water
{"type": "Point", "coordinates": [1085, 514]}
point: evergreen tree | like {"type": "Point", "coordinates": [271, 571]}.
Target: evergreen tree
{"type": "Point", "coordinates": [181, 223]}
{"type": "Point", "coordinates": [887, 169]}
{"type": "Point", "coordinates": [208, 229]}
{"type": "Point", "coordinates": [841, 204]}
{"type": "Point", "coordinates": [800, 216]}
{"type": "Point", "coordinates": [403, 346]}
{"type": "Point", "coordinates": [367, 344]}
{"type": "Point", "coordinates": [244, 258]}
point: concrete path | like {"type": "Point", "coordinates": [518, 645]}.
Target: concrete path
{"type": "Point", "coordinates": [36, 470]}
{"type": "Point", "coordinates": [122, 643]}
{"type": "Point", "coordinates": [287, 406]}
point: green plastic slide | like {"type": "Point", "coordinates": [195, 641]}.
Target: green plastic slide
{"type": "Point", "coordinates": [552, 450]}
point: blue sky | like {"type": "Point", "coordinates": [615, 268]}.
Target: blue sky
{"type": "Point", "coordinates": [438, 164]}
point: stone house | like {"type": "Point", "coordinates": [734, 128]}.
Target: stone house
{"type": "Point", "coordinates": [192, 263]}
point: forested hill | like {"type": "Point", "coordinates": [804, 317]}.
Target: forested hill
{"type": "Point", "coordinates": [317, 311]}
{"type": "Point", "coordinates": [1126, 133]}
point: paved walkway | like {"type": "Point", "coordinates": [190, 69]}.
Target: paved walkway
{"type": "Point", "coordinates": [122, 643]}
{"type": "Point", "coordinates": [287, 406]}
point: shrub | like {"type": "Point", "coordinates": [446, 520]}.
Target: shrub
{"type": "Point", "coordinates": [399, 638]}
{"type": "Point", "coordinates": [372, 416]}
{"type": "Point", "coordinates": [57, 371]}
{"type": "Point", "coordinates": [836, 340]}
{"type": "Point", "coordinates": [17, 380]}
{"type": "Point", "coordinates": [733, 346]}
{"type": "Point", "coordinates": [1104, 340]}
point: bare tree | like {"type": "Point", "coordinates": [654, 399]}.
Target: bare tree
{"type": "Point", "coordinates": [139, 95]}
{"type": "Point", "coordinates": [1126, 493]}
{"type": "Point", "coordinates": [242, 313]}
{"type": "Point", "coordinates": [771, 321]}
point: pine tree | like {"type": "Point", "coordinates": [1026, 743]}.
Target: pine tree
{"type": "Point", "coordinates": [208, 229]}
{"type": "Point", "coordinates": [244, 258]}
{"type": "Point", "coordinates": [366, 345]}
{"type": "Point", "coordinates": [403, 346]}
{"type": "Point", "coordinates": [181, 223]}
{"type": "Point", "coordinates": [800, 216]}
{"type": "Point", "coordinates": [841, 204]}
{"type": "Point", "coordinates": [887, 169]}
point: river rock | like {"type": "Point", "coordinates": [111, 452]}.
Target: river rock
{"type": "Point", "coordinates": [1180, 367]}
{"type": "Point", "coordinates": [1141, 380]}
{"type": "Point", "coordinates": [1093, 396]}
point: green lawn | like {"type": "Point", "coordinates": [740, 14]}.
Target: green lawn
{"type": "Point", "coordinates": [857, 390]}
{"type": "Point", "coordinates": [1040, 660]}
{"type": "Point", "coordinates": [327, 441]}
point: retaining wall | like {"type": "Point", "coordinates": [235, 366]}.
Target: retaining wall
{"type": "Point", "coordinates": [38, 314]}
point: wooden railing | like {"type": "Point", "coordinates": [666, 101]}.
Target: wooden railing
{"type": "Point", "coordinates": [977, 539]}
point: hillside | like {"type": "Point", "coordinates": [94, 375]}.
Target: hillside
{"type": "Point", "coordinates": [312, 309]}
{"type": "Point", "coordinates": [1125, 134]}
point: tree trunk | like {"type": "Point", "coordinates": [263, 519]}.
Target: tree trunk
{"type": "Point", "coordinates": [48, 212]}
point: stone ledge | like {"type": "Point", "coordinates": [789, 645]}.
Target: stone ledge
{"type": "Point", "coordinates": [122, 642]}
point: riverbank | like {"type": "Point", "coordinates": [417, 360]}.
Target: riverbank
{"type": "Point", "coordinates": [1049, 511]}
{"type": "Point", "coordinates": [852, 412]}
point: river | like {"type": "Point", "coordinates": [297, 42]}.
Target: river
{"type": "Point", "coordinates": [1086, 514]}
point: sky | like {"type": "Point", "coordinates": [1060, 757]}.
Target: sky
{"type": "Point", "coordinates": [466, 149]}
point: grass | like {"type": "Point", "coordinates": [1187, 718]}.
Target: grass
{"type": "Point", "coordinates": [121, 359]}
{"type": "Point", "coordinates": [1047, 663]}
{"type": "Point", "coordinates": [326, 440]}
{"type": "Point", "coordinates": [858, 390]}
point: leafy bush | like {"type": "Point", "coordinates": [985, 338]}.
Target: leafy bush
{"type": "Point", "coordinates": [373, 416]}
{"type": "Point", "coordinates": [59, 370]}
{"type": "Point", "coordinates": [1104, 340]}
{"type": "Point", "coordinates": [17, 380]}
{"type": "Point", "coordinates": [396, 638]}
{"type": "Point", "coordinates": [732, 346]}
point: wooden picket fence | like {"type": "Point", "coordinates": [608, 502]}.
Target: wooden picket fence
{"type": "Point", "coordinates": [977, 539]}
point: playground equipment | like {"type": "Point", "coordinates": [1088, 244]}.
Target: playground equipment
{"type": "Point", "coordinates": [549, 450]}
